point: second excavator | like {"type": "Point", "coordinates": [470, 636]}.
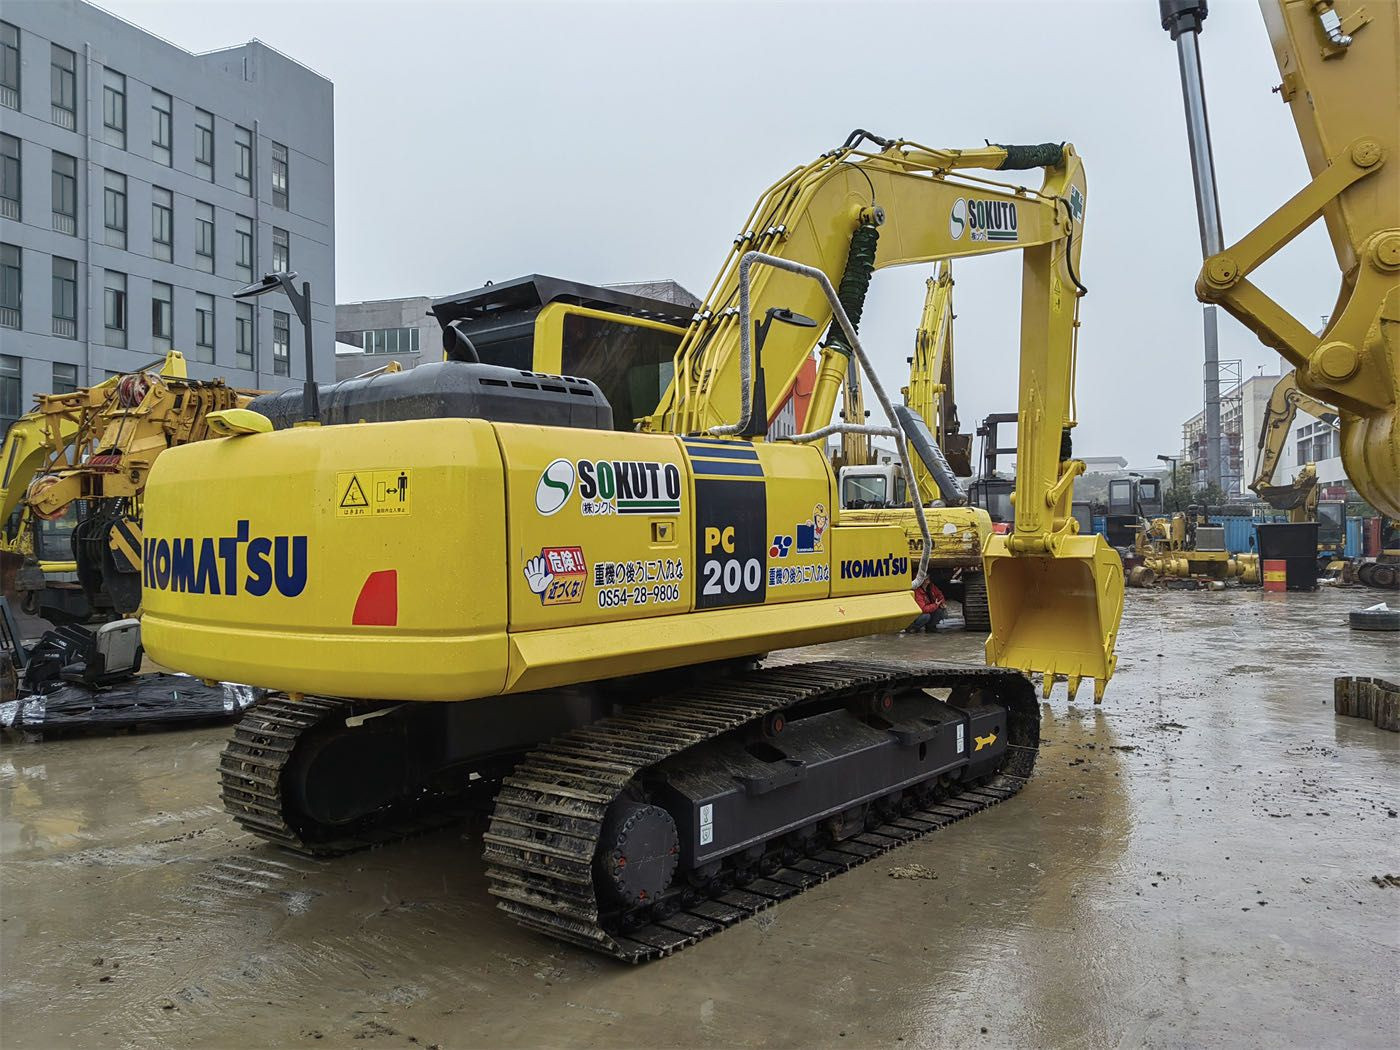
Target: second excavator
{"type": "Point", "coordinates": [582, 635]}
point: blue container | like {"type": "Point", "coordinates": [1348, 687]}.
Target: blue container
{"type": "Point", "coordinates": [1100, 525]}
{"type": "Point", "coordinates": [1238, 534]}
{"type": "Point", "coordinates": [1353, 538]}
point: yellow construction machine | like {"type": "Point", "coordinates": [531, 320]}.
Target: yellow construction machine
{"type": "Point", "coordinates": [610, 591]}
{"type": "Point", "coordinates": [1298, 497]}
{"type": "Point", "coordinates": [99, 445]}
{"type": "Point", "coordinates": [1185, 545]}
{"type": "Point", "coordinates": [1340, 68]}
{"type": "Point", "coordinates": [41, 547]}
{"type": "Point", "coordinates": [878, 494]}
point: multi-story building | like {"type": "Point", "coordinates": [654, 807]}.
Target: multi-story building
{"type": "Point", "coordinates": [142, 186]}
{"type": "Point", "coordinates": [1242, 410]}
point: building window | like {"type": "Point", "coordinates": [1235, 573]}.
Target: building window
{"type": "Point", "coordinates": [11, 391]}
{"type": "Point", "coordinates": [65, 298]}
{"type": "Point", "coordinates": [9, 66]}
{"type": "Point", "coordinates": [281, 343]}
{"type": "Point", "coordinates": [204, 145]}
{"type": "Point", "coordinates": [114, 209]}
{"type": "Point", "coordinates": [162, 127]}
{"type": "Point", "coordinates": [162, 315]}
{"type": "Point", "coordinates": [114, 308]}
{"type": "Point", "coordinates": [65, 193]}
{"type": "Point", "coordinates": [65, 378]}
{"type": "Point", "coordinates": [11, 286]}
{"type": "Point", "coordinates": [243, 247]}
{"type": "Point", "coordinates": [63, 87]}
{"type": "Point", "coordinates": [114, 108]}
{"type": "Point", "coordinates": [243, 334]}
{"type": "Point", "coordinates": [162, 224]}
{"type": "Point", "coordinates": [9, 177]}
{"type": "Point", "coordinates": [204, 327]}
{"type": "Point", "coordinates": [243, 159]}
{"type": "Point", "coordinates": [281, 251]}
{"type": "Point", "coordinates": [389, 340]}
{"type": "Point", "coordinates": [204, 236]}
{"type": "Point", "coordinates": [279, 175]}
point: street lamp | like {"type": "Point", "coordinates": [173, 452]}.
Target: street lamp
{"type": "Point", "coordinates": [301, 303]}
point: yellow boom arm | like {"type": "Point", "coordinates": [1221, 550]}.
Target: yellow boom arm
{"type": "Point", "coordinates": [930, 389]}
{"type": "Point", "coordinates": [1055, 597]}
{"type": "Point", "coordinates": [1344, 90]}
{"type": "Point", "coordinates": [1300, 495]}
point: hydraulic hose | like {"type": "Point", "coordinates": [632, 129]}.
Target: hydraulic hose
{"type": "Point", "coordinates": [855, 283]}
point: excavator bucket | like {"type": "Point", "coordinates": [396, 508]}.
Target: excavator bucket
{"type": "Point", "coordinates": [1055, 615]}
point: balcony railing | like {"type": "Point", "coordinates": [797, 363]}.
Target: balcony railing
{"type": "Point", "coordinates": [64, 118]}
{"type": "Point", "coordinates": [65, 329]}
{"type": "Point", "coordinates": [65, 223]}
{"type": "Point", "coordinates": [9, 209]}
{"type": "Point", "coordinates": [9, 317]}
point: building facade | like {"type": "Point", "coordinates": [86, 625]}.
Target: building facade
{"type": "Point", "coordinates": [371, 334]}
{"type": "Point", "coordinates": [142, 186]}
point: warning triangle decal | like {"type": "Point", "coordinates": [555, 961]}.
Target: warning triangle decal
{"type": "Point", "coordinates": [354, 495]}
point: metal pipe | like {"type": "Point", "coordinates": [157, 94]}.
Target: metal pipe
{"type": "Point", "coordinates": [839, 312]}
{"type": "Point", "coordinates": [1193, 94]}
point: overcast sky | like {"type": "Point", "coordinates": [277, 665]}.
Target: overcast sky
{"type": "Point", "coordinates": [607, 142]}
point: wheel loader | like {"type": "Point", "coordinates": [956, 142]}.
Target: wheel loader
{"type": "Point", "coordinates": [584, 634]}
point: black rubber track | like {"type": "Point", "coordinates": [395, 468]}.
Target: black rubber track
{"type": "Point", "coordinates": [977, 615]}
{"type": "Point", "coordinates": [250, 777]}
{"type": "Point", "coordinates": [549, 813]}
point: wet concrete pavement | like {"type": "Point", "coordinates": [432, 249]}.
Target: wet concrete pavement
{"type": "Point", "coordinates": [1191, 866]}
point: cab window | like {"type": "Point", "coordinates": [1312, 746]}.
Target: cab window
{"type": "Point", "coordinates": [863, 491]}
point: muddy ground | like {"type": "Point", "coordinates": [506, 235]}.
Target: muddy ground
{"type": "Point", "coordinates": [1191, 866]}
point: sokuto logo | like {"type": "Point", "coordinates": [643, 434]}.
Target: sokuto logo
{"type": "Point", "coordinates": [555, 486]}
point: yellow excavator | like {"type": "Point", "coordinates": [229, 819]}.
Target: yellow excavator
{"type": "Point", "coordinates": [1298, 497]}
{"type": "Point", "coordinates": [597, 600]}
{"type": "Point", "coordinates": [42, 547]}
{"type": "Point", "coordinates": [1340, 69]}
{"type": "Point", "coordinates": [98, 445]}
{"type": "Point", "coordinates": [878, 494]}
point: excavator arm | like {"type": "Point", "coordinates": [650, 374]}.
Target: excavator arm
{"type": "Point", "coordinates": [1055, 596]}
{"type": "Point", "coordinates": [930, 389]}
{"type": "Point", "coordinates": [1299, 496]}
{"type": "Point", "coordinates": [1340, 64]}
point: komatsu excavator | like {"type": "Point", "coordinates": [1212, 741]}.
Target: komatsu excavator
{"type": "Point", "coordinates": [1340, 68]}
{"type": "Point", "coordinates": [597, 600]}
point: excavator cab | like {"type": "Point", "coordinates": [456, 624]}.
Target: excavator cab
{"type": "Point", "coordinates": [623, 341]}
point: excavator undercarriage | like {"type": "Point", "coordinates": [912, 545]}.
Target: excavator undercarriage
{"type": "Point", "coordinates": [678, 815]}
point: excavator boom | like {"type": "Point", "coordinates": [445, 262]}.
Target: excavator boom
{"type": "Point", "coordinates": [1055, 597]}
{"type": "Point", "coordinates": [1340, 67]}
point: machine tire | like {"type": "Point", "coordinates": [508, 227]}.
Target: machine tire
{"type": "Point", "coordinates": [1375, 619]}
{"type": "Point", "coordinates": [976, 613]}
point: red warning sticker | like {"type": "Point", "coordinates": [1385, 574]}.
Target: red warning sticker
{"type": "Point", "coordinates": [558, 575]}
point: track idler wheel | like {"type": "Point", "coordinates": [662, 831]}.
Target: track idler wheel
{"type": "Point", "coordinates": [637, 853]}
